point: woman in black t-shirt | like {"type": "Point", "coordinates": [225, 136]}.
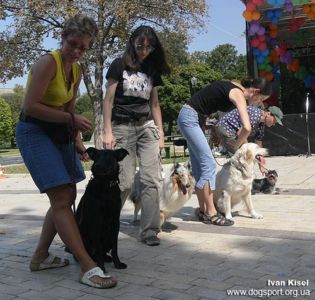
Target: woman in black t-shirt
{"type": "Point", "coordinates": [220, 95]}
{"type": "Point", "coordinates": [132, 120]}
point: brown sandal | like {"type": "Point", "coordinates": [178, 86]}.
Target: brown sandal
{"type": "Point", "coordinates": [217, 219]}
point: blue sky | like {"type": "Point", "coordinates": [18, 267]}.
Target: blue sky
{"type": "Point", "coordinates": [226, 25]}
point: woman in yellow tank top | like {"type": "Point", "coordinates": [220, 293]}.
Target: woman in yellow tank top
{"type": "Point", "coordinates": [49, 105]}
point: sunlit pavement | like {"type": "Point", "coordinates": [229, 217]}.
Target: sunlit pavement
{"type": "Point", "coordinates": [274, 256]}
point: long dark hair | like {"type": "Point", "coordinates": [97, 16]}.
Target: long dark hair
{"type": "Point", "coordinates": [155, 62]}
{"type": "Point", "coordinates": [263, 84]}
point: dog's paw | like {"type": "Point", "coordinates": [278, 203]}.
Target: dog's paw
{"type": "Point", "coordinates": [120, 265]}
{"type": "Point", "coordinates": [108, 258]}
{"type": "Point", "coordinates": [255, 215]}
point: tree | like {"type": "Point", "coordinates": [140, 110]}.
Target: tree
{"type": "Point", "coordinates": [5, 121]}
{"type": "Point", "coordinates": [224, 59]}
{"type": "Point", "coordinates": [177, 89]}
{"type": "Point", "coordinates": [32, 21]}
{"type": "Point", "coordinates": [175, 45]}
{"type": "Point", "coordinates": [15, 100]}
{"type": "Point", "coordinates": [84, 108]}
{"type": "Point", "coordinates": [83, 104]}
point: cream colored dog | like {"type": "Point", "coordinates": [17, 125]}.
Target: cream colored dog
{"type": "Point", "coordinates": [176, 189]}
{"type": "Point", "coordinates": [234, 180]}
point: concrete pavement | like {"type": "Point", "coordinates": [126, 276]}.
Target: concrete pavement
{"type": "Point", "coordinates": [274, 256]}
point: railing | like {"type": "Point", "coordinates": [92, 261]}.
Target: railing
{"type": "Point", "coordinates": [174, 146]}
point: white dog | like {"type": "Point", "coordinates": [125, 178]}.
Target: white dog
{"type": "Point", "coordinates": [176, 189]}
{"type": "Point", "coordinates": [234, 180]}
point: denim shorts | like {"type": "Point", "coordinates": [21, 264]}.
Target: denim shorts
{"type": "Point", "coordinates": [50, 165]}
{"type": "Point", "coordinates": [202, 160]}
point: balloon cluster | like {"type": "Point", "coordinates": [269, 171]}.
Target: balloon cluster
{"type": "Point", "coordinates": [284, 54]}
{"type": "Point", "coordinates": [309, 82]}
{"type": "Point", "coordinates": [294, 66]}
{"type": "Point", "coordinates": [274, 15]}
{"type": "Point", "coordinates": [300, 2]}
{"type": "Point", "coordinates": [276, 3]}
{"type": "Point", "coordinates": [273, 30]}
{"type": "Point", "coordinates": [251, 13]}
{"type": "Point", "coordinates": [309, 10]}
{"type": "Point", "coordinates": [265, 46]}
{"type": "Point", "coordinates": [295, 24]}
{"type": "Point", "coordinates": [288, 6]}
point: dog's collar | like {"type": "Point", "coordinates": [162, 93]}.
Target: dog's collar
{"type": "Point", "coordinates": [230, 163]}
{"type": "Point", "coordinates": [242, 170]}
{"type": "Point", "coordinates": [104, 182]}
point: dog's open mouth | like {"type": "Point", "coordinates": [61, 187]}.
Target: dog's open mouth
{"type": "Point", "coordinates": [181, 186]}
{"type": "Point", "coordinates": [260, 159]}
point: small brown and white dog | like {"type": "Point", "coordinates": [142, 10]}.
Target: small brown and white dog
{"type": "Point", "coordinates": [234, 180]}
{"type": "Point", "coordinates": [176, 189]}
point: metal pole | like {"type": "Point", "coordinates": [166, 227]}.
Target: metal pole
{"type": "Point", "coordinates": [307, 126]}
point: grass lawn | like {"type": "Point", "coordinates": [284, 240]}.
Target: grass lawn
{"type": "Point", "coordinates": [21, 169]}
{"type": "Point", "coordinates": [9, 152]}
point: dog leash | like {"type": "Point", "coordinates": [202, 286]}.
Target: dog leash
{"type": "Point", "coordinates": [215, 157]}
{"type": "Point", "coordinates": [72, 136]}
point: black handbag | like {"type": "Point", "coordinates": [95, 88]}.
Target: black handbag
{"type": "Point", "coordinates": [59, 133]}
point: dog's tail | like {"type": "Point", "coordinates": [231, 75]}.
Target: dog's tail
{"type": "Point", "coordinates": [135, 198]}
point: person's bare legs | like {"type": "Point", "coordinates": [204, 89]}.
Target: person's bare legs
{"type": "Point", "coordinates": [205, 199]}
{"type": "Point", "coordinates": [60, 218]}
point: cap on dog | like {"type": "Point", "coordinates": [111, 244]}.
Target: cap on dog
{"type": "Point", "coordinates": [277, 113]}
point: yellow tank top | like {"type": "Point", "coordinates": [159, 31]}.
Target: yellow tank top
{"type": "Point", "coordinates": [57, 92]}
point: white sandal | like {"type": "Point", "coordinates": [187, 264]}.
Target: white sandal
{"type": "Point", "coordinates": [49, 263]}
{"type": "Point", "coordinates": [97, 271]}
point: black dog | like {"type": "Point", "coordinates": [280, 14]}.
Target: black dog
{"type": "Point", "coordinates": [98, 212]}
{"type": "Point", "coordinates": [266, 185]}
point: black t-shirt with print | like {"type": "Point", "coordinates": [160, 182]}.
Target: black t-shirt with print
{"type": "Point", "coordinates": [132, 93]}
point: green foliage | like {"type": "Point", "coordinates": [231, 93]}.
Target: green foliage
{"type": "Point", "coordinates": [5, 121]}
{"type": "Point", "coordinates": [84, 107]}
{"type": "Point", "coordinates": [84, 104]}
{"type": "Point", "coordinates": [15, 100]}
{"type": "Point", "coordinates": [177, 89]}
{"type": "Point", "coordinates": [175, 45]}
{"type": "Point", "coordinates": [225, 60]}
{"type": "Point", "coordinates": [87, 134]}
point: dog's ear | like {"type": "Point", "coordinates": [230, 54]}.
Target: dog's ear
{"type": "Point", "coordinates": [92, 152]}
{"type": "Point", "coordinates": [121, 154]}
{"type": "Point", "coordinates": [273, 172]}
{"type": "Point", "coordinates": [249, 156]}
{"type": "Point", "coordinates": [188, 164]}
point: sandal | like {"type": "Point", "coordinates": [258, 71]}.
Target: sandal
{"type": "Point", "coordinates": [107, 283]}
{"type": "Point", "coordinates": [217, 219]}
{"type": "Point", "coordinates": [199, 214]}
{"type": "Point", "coordinates": [50, 262]}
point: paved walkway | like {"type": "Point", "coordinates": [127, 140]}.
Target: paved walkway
{"type": "Point", "coordinates": [275, 255]}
